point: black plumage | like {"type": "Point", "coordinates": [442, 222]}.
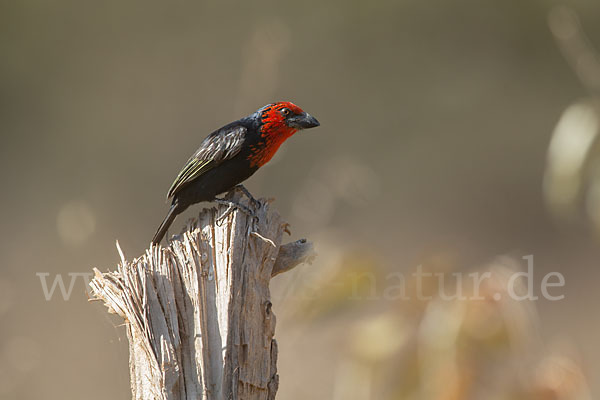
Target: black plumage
{"type": "Point", "coordinates": [230, 155]}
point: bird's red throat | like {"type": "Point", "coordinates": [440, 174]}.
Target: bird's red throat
{"type": "Point", "coordinates": [273, 133]}
{"type": "Point", "coordinates": [270, 140]}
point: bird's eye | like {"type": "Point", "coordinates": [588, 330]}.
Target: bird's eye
{"type": "Point", "coordinates": [285, 112]}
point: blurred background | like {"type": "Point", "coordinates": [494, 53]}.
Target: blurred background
{"type": "Point", "coordinates": [459, 136]}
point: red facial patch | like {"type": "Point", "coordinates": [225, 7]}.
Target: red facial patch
{"type": "Point", "coordinates": [273, 132]}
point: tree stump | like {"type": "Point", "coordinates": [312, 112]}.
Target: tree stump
{"type": "Point", "coordinates": [198, 312]}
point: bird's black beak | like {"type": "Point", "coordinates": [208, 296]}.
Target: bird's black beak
{"type": "Point", "coordinates": [303, 121]}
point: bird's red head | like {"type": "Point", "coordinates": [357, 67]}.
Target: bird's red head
{"type": "Point", "coordinates": [285, 118]}
{"type": "Point", "coordinates": [279, 121]}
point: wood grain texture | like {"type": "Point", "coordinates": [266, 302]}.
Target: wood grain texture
{"type": "Point", "coordinates": [198, 312]}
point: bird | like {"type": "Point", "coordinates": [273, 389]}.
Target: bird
{"type": "Point", "coordinates": [231, 154]}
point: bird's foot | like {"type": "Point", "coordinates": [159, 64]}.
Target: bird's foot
{"type": "Point", "coordinates": [231, 206]}
{"type": "Point", "coordinates": [247, 193]}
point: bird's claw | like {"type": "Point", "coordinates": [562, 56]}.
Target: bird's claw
{"type": "Point", "coordinates": [230, 206]}
{"type": "Point", "coordinates": [247, 193]}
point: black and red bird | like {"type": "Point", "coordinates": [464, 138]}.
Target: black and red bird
{"type": "Point", "coordinates": [231, 154]}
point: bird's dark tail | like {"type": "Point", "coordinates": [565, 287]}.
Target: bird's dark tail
{"type": "Point", "coordinates": [162, 229]}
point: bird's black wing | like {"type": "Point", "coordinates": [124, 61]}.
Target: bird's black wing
{"type": "Point", "coordinates": [219, 146]}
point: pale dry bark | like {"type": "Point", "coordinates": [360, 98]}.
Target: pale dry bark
{"type": "Point", "coordinates": [198, 313]}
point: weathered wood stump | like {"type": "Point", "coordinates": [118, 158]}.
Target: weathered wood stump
{"type": "Point", "coordinates": [198, 312]}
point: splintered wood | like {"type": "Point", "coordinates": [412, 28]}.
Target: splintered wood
{"type": "Point", "coordinates": [198, 313]}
